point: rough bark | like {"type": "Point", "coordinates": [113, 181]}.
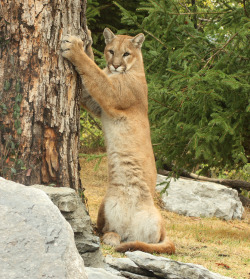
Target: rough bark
{"type": "Point", "coordinates": [40, 89]}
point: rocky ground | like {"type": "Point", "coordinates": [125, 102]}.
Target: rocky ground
{"type": "Point", "coordinates": [36, 241]}
{"type": "Point", "coordinates": [218, 245]}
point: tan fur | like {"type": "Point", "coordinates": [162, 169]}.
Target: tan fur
{"type": "Point", "coordinates": [118, 95]}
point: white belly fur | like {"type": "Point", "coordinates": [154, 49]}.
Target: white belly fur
{"type": "Point", "coordinates": [126, 213]}
{"type": "Point", "coordinates": [130, 220]}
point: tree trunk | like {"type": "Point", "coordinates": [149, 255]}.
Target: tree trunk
{"type": "Point", "coordinates": [39, 93]}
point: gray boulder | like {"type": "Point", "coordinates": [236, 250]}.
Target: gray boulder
{"type": "Point", "coordinates": [75, 213]}
{"type": "Point", "coordinates": [100, 273]}
{"type": "Point", "coordinates": [167, 268]}
{"type": "Point", "coordinates": [135, 276]}
{"type": "Point", "coordinates": [200, 199]}
{"type": "Point", "coordinates": [35, 239]}
{"type": "Point", "coordinates": [127, 267]}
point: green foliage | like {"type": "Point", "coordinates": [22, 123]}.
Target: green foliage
{"type": "Point", "coordinates": [10, 162]}
{"type": "Point", "coordinates": [196, 59]}
{"type": "Point", "coordinates": [241, 174]}
{"type": "Point", "coordinates": [197, 65]}
{"type": "Point", "coordinates": [91, 135]}
{"type": "Point", "coordinates": [102, 14]}
{"type": "Point", "coordinates": [91, 157]}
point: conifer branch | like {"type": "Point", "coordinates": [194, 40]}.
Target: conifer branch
{"type": "Point", "coordinates": [245, 10]}
{"type": "Point", "coordinates": [138, 25]}
{"type": "Point", "coordinates": [219, 50]}
{"type": "Point", "coordinates": [93, 119]}
{"type": "Point", "coordinates": [152, 35]}
{"type": "Point", "coordinates": [198, 13]}
{"type": "Point", "coordinates": [204, 19]}
{"type": "Point", "coordinates": [184, 6]}
{"type": "Point", "coordinates": [163, 104]}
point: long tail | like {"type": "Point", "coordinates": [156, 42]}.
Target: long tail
{"type": "Point", "coordinates": [166, 246]}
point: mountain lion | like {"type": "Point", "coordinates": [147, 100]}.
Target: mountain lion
{"type": "Point", "coordinates": [118, 95]}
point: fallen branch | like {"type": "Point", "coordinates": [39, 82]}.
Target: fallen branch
{"type": "Point", "coordinates": [235, 184]}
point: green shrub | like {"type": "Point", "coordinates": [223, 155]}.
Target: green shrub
{"type": "Point", "coordinates": [197, 65]}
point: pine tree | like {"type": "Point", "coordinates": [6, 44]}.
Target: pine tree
{"type": "Point", "coordinates": [197, 63]}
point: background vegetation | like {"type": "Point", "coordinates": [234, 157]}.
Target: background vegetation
{"type": "Point", "coordinates": [196, 56]}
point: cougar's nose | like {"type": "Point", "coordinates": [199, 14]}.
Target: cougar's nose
{"type": "Point", "coordinates": [116, 66]}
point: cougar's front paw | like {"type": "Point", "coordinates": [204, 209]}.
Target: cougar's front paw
{"type": "Point", "coordinates": [88, 40]}
{"type": "Point", "coordinates": [71, 47]}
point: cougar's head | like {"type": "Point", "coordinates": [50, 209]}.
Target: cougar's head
{"type": "Point", "coordinates": [122, 53]}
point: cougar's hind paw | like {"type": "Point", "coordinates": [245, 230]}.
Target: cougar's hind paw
{"type": "Point", "coordinates": [111, 238]}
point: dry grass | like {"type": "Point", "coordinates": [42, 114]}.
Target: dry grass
{"type": "Point", "coordinates": [220, 246]}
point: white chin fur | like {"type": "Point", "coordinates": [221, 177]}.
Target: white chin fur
{"type": "Point", "coordinates": [119, 70]}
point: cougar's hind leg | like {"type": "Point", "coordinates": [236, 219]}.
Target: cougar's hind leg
{"type": "Point", "coordinates": [111, 238]}
{"type": "Point", "coordinates": [101, 218]}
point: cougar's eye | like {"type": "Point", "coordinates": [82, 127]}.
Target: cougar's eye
{"type": "Point", "coordinates": [126, 54]}
{"type": "Point", "coordinates": [111, 51]}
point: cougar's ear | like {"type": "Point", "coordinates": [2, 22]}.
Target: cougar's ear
{"type": "Point", "coordinates": [108, 35]}
{"type": "Point", "coordinates": [138, 40]}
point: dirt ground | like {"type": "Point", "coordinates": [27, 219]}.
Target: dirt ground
{"type": "Point", "coordinates": [220, 246]}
